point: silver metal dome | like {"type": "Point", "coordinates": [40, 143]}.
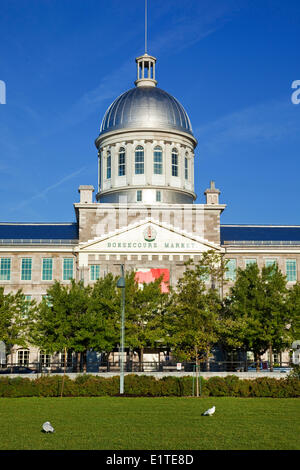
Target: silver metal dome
{"type": "Point", "coordinates": [146, 107]}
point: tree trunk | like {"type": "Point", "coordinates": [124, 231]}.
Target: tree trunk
{"type": "Point", "coordinates": [257, 360]}
{"type": "Point", "coordinates": [271, 357]}
{"type": "Point", "coordinates": [207, 360]}
{"type": "Point", "coordinates": [197, 383]}
{"type": "Point", "coordinates": [142, 359]}
{"type": "Point", "coordinates": [63, 379]}
{"type": "Point", "coordinates": [84, 361]}
{"type": "Point", "coordinates": [78, 360]}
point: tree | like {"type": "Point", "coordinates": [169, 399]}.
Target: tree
{"type": "Point", "coordinates": [259, 310]}
{"type": "Point", "coordinates": [61, 322]}
{"type": "Point", "coordinates": [145, 310]}
{"type": "Point", "coordinates": [104, 312]}
{"type": "Point", "coordinates": [293, 299]}
{"type": "Point", "coordinates": [195, 306]}
{"type": "Point", "coordinates": [15, 317]}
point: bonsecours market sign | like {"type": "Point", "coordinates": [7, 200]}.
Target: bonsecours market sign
{"type": "Point", "coordinates": [152, 240]}
{"type": "Point", "coordinates": [151, 245]}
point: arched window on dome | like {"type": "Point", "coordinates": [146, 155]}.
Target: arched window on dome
{"type": "Point", "coordinates": [108, 165]}
{"type": "Point", "coordinates": [157, 161]}
{"type": "Point", "coordinates": [186, 166]}
{"type": "Point", "coordinates": [139, 160]}
{"type": "Point", "coordinates": [122, 162]}
{"type": "Point", "coordinates": [174, 162]}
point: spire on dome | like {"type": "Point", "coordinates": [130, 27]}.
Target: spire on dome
{"type": "Point", "coordinates": [145, 70]}
{"type": "Point", "coordinates": [145, 63]}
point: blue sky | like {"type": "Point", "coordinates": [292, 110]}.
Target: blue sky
{"type": "Point", "coordinates": [230, 63]}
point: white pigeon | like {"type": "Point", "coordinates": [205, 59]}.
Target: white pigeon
{"type": "Point", "coordinates": [209, 412]}
{"type": "Point", "coordinates": [47, 427]}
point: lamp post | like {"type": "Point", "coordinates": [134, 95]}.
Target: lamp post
{"type": "Point", "coordinates": [121, 285]}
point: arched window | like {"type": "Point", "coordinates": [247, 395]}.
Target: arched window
{"type": "Point", "coordinates": [174, 162]}
{"type": "Point", "coordinates": [108, 165]}
{"type": "Point", "coordinates": [122, 162]}
{"type": "Point", "coordinates": [157, 161]}
{"type": "Point", "coordinates": [186, 167]}
{"type": "Point", "coordinates": [139, 160]}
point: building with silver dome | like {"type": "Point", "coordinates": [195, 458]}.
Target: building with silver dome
{"type": "Point", "coordinates": [146, 146]}
{"type": "Point", "coordinates": [144, 215]}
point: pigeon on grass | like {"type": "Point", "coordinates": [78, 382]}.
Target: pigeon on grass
{"type": "Point", "coordinates": [209, 412]}
{"type": "Point", "coordinates": [47, 427]}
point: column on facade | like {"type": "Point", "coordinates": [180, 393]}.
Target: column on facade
{"type": "Point", "coordinates": [114, 166]}
{"type": "Point", "coordinates": [129, 162]}
{"type": "Point", "coordinates": [148, 159]}
{"type": "Point", "coordinates": [182, 151]}
{"type": "Point", "coordinates": [104, 167]}
{"type": "Point", "coordinates": [168, 162]}
{"type": "Point", "coordinates": [192, 171]}
{"type": "Point", "coordinates": [99, 170]}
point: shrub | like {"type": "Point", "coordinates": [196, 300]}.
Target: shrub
{"type": "Point", "coordinates": [149, 386]}
{"type": "Point", "coordinates": [295, 373]}
{"type": "Point", "coordinates": [217, 387]}
{"type": "Point", "coordinates": [142, 385]}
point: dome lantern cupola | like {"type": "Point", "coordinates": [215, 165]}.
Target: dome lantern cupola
{"type": "Point", "coordinates": [146, 145]}
{"type": "Point", "coordinates": [145, 70]}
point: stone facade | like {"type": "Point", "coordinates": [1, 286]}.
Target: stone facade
{"type": "Point", "coordinates": [144, 215]}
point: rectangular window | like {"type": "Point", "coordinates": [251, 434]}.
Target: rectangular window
{"type": "Point", "coordinates": [291, 270]}
{"type": "Point", "coordinates": [26, 306]}
{"type": "Point", "coordinates": [174, 164]}
{"type": "Point", "coordinates": [46, 298]}
{"type": "Point", "coordinates": [231, 270]}
{"type": "Point", "coordinates": [158, 196]}
{"type": "Point", "coordinates": [250, 261]}
{"type": "Point", "coordinates": [158, 164]}
{"type": "Point", "coordinates": [139, 161]}
{"type": "Point", "coordinates": [69, 359]}
{"type": "Point", "coordinates": [95, 272]}
{"type": "Point", "coordinates": [108, 167]}
{"type": "Point", "coordinates": [270, 262]}
{"type": "Point", "coordinates": [45, 359]}
{"type": "Point", "coordinates": [122, 162]}
{"type": "Point", "coordinates": [5, 269]}
{"type": "Point", "coordinates": [26, 269]}
{"type": "Point", "coordinates": [139, 195]}
{"type": "Point", "coordinates": [68, 269]}
{"type": "Point", "coordinates": [23, 357]}
{"type": "Point", "coordinates": [205, 276]}
{"type": "Point", "coordinates": [186, 168]}
{"type": "Point", "coordinates": [47, 269]}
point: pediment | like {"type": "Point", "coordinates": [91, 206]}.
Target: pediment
{"type": "Point", "coordinates": [148, 236]}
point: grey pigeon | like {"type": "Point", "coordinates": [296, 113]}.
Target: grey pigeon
{"type": "Point", "coordinates": [209, 412]}
{"type": "Point", "coordinates": [47, 427]}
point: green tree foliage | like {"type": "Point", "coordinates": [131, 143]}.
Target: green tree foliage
{"type": "Point", "coordinates": [104, 312]}
{"type": "Point", "coordinates": [145, 308]}
{"type": "Point", "coordinates": [61, 321]}
{"type": "Point", "coordinates": [293, 299]}
{"type": "Point", "coordinates": [259, 311]}
{"type": "Point", "coordinates": [194, 309]}
{"type": "Point", "coordinates": [15, 318]}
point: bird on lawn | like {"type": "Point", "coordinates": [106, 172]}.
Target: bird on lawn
{"type": "Point", "coordinates": [47, 427]}
{"type": "Point", "coordinates": [209, 412]}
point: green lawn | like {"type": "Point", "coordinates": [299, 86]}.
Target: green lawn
{"type": "Point", "coordinates": [150, 423]}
